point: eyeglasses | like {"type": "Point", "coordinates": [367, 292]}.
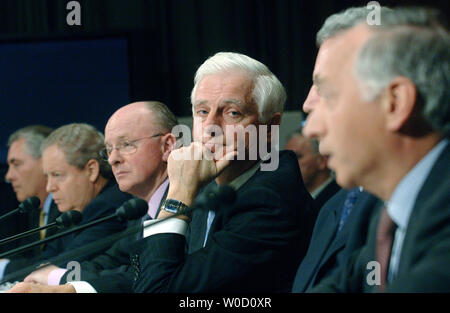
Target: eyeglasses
{"type": "Point", "coordinates": [124, 147]}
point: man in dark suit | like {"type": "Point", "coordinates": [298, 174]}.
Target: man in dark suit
{"type": "Point", "coordinates": [27, 179]}
{"type": "Point", "coordinates": [317, 177]}
{"type": "Point", "coordinates": [380, 109]}
{"type": "Point", "coordinates": [255, 244]}
{"type": "Point", "coordinates": [143, 173]}
{"type": "Point", "coordinates": [79, 180]}
{"type": "Point", "coordinates": [336, 236]}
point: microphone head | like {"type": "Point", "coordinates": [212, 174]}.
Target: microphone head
{"type": "Point", "coordinates": [214, 196]}
{"type": "Point", "coordinates": [29, 204]}
{"type": "Point", "coordinates": [132, 209]}
{"type": "Point", "coordinates": [69, 218]}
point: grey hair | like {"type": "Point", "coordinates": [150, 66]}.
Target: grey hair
{"type": "Point", "coordinates": [345, 20]}
{"type": "Point", "coordinates": [162, 116]}
{"type": "Point", "coordinates": [80, 143]}
{"type": "Point", "coordinates": [268, 92]}
{"type": "Point", "coordinates": [34, 136]}
{"type": "Point", "coordinates": [412, 42]}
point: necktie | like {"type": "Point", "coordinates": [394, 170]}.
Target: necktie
{"type": "Point", "coordinates": [349, 203]}
{"type": "Point", "coordinates": [42, 222]}
{"type": "Point", "coordinates": [385, 238]}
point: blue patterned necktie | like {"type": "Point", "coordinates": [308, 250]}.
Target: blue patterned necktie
{"type": "Point", "coordinates": [349, 203]}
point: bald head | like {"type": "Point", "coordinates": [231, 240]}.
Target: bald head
{"type": "Point", "coordinates": [145, 127]}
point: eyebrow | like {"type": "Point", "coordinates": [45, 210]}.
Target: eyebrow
{"type": "Point", "coordinates": [222, 103]}
{"type": "Point", "coordinates": [123, 137]}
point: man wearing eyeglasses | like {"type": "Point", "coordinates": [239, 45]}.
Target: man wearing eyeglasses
{"type": "Point", "coordinates": [138, 141]}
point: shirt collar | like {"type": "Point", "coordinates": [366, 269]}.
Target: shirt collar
{"type": "Point", "coordinates": [244, 177]}
{"type": "Point", "coordinates": [401, 203]}
{"type": "Point", "coordinates": [319, 189]}
{"type": "Point", "coordinates": [155, 200]}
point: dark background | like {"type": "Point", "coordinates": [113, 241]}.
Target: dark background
{"type": "Point", "coordinates": [166, 41]}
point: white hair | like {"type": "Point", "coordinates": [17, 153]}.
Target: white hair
{"type": "Point", "coordinates": [268, 92]}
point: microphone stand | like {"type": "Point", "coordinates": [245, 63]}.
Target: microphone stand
{"type": "Point", "coordinates": [29, 232]}
{"type": "Point", "coordinates": [98, 244]}
{"type": "Point", "coordinates": [9, 214]}
{"type": "Point", "coordinates": [39, 242]}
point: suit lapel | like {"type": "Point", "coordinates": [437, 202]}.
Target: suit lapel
{"type": "Point", "coordinates": [428, 199]}
{"type": "Point", "coordinates": [326, 234]}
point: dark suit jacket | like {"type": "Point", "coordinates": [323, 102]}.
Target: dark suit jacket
{"type": "Point", "coordinates": [19, 223]}
{"type": "Point", "coordinates": [328, 249]}
{"type": "Point", "coordinates": [425, 256]}
{"type": "Point", "coordinates": [329, 191]}
{"type": "Point", "coordinates": [111, 271]}
{"type": "Point", "coordinates": [11, 225]}
{"type": "Point", "coordinates": [254, 245]}
{"type": "Point", "coordinates": [106, 203]}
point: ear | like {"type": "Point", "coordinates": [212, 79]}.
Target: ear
{"type": "Point", "coordinates": [400, 103]}
{"type": "Point", "coordinates": [275, 120]}
{"type": "Point", "coordinates": [168, 144]}
{"type": "Point", "coordinates": [93, 170]}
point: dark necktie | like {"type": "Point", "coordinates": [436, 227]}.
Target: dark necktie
{"type": "Point", "coordinates": [385, 238]}
{"type": "Point", "coordinates": [349, 203]}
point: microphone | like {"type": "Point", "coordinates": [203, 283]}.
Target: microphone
{"type": "Point", "coordinates": [134, 209]}
{"type": "Point", "coordinates": [129, 210]}
{"type": "Point", "coordinates": [26, 206]}
{"type": "Point", "coordinates": [213, 197]}
{"type": "Point", "coordinates": [66, 219]}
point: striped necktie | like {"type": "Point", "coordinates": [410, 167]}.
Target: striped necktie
{"type": "Point", "coordinates": [385, 239]}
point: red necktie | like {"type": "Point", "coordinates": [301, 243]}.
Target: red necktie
{"type": "Point", "coordinates": [385, 238]}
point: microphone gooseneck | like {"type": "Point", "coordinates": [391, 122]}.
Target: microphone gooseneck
{"type": "Point", "coordinates": [128, 211]}
{"type": "Point", "coordinates": [27, 205]}
{"type": "Point", "coordinates": [66, 219]}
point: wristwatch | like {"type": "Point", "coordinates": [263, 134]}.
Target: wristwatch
{"type": "Point", "coordinates": [175, 206]}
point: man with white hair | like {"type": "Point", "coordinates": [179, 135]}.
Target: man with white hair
{"type": "Point", "coordinates": [379, 106]}
{"type": "Point", "coordinates": [255, 244]}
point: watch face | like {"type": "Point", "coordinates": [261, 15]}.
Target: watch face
{"type": "Point", "coordinates": [170, 208]}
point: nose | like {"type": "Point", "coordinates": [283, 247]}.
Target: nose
{"type": "Point", "coordinates": [9, 175]}
{"type": "Point", "coordinates": [51, 186]}
{"type": "Point", "coordinates": [311, 100]}
{"type": "Point", "coordinates": [212, 125]}
{"type": "Point", "coordinates": [314, 126]}
{"type": "Point", "coordinates": [115, 157]}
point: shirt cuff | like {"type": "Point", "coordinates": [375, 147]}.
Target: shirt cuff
{"type": "Point", "coordinates": [82, 287]}
{"type": "Point", "coordinates": [169, 225]}
{"type": "Point", "coordinates": [54, 277]}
